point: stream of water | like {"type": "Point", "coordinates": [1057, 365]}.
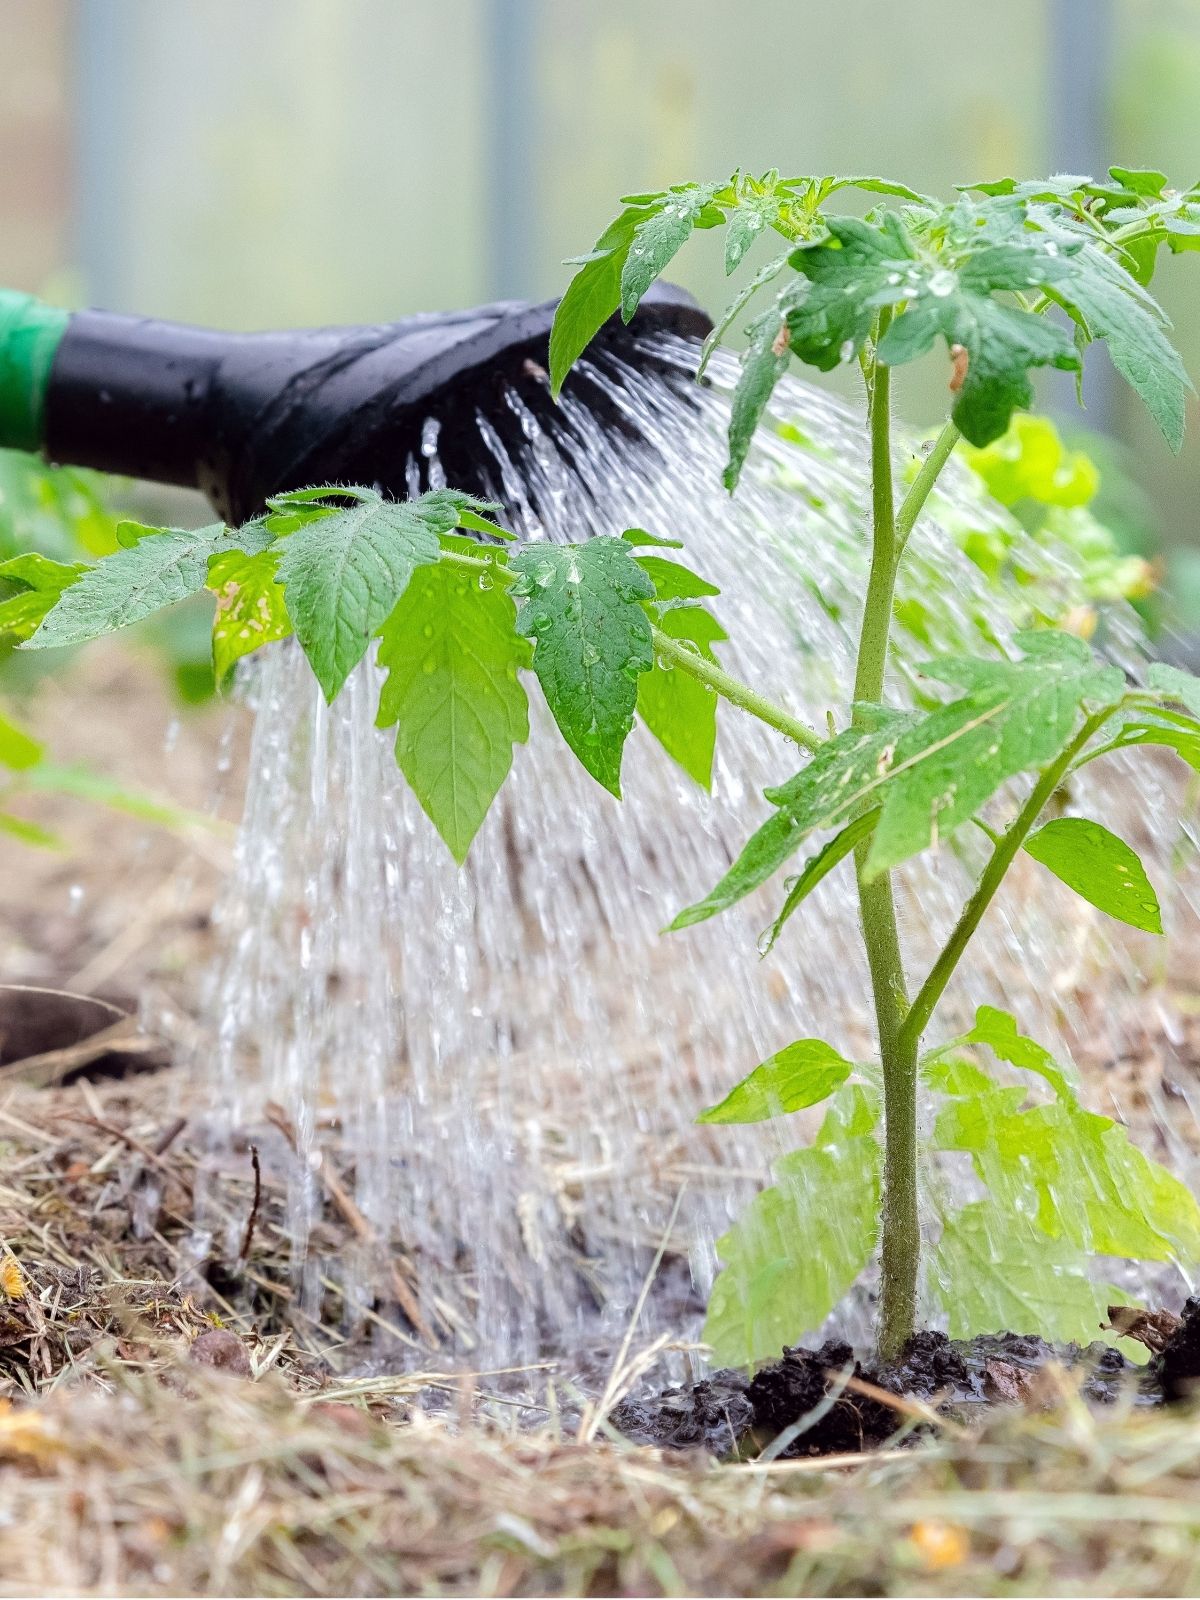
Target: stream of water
{"type": "Point", "coordinates": [506, 1060]}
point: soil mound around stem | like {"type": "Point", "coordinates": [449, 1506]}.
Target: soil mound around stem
{"type": "Point", "coordinates": [828, 1402]}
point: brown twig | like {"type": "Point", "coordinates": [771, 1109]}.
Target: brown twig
{"type": "Point", "coordinates": [166, 1139]}
{"type": "Point", "coordinates": [143, 1150]}
{"type": "Point", "coordinates": [247, 1237]}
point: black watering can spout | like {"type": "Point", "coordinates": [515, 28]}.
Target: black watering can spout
{"type": "Point", "coordinates": [243, 416]}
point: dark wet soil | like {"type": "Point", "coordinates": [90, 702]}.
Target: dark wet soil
{"type": "Point", "coordinates": [818, 1402]}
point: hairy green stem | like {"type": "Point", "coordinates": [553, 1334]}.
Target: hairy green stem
{"type": "Point", "coordinates": [900, 1238]}
{"type": "Point", "coordinates": [733, 690]}
{"type": "Point", "coordinates": [690, 661]}
{"type": "Point", "coordinates": [992, 877]}
{"type": "Point", "coordinates": [914, 501]}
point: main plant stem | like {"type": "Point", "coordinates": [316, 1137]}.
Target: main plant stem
{"type": "Point", "coordinates": [900, 1239]}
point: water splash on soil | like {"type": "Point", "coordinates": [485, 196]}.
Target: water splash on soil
{"type": "Point", "coordinates": [509, 1057]}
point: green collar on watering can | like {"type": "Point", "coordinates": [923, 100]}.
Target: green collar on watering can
{"type": "Point", "coordinates": [29, 336]}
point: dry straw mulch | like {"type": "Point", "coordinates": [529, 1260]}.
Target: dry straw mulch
{"type": "Point", "coordinates": [157, 1439]}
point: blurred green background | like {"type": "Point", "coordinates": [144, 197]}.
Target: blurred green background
{"type": "Point", "coordinates": [272, 162]}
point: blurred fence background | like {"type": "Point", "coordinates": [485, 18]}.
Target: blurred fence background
{"type": "Point", "coordinates": [272, 162]}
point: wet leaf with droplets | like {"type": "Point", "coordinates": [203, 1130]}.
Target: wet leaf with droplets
{"type": "Point", "coordinates": [1101, 868]}
{"type": "Point", "coordinates": [160, 567]}
{"type": "Point", "coordinates": [452, 655]}
{"type": "Point", "coordinates": [800, 1075]}
{"type": "Point", "coordinates": [661, 234]}
{"type": "Point", "coordinates": [343, 572]}
{"type": "Point", "coordinates": [824, 794]}
{"type": "Point", "coordinates": [679, 710]}
{"type": "Point", "coordinates": [1016, 717]}
{"type": "Point", "coordinates": [763, 365]}
{"type": "Point", "coordinates": [582, 606]}
{"type": "Point", "coordinates": [866, 266]}
{"type": "Point", "coordinates": [622, 264]}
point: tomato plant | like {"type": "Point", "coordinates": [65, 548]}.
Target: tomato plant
{"type": "Point", "coordinates": [1005, 279]}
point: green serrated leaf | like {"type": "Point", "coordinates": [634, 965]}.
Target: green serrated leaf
{"type": "Point", "coordinates": [343, 573]}
{"type": "Point", "coordinates": [1139, 180]}
{"type": "Point", "coordinates": [850, 277]}
{"type": "Point", "coordinates": [1113, 307]}
{"type": "Point", "coordinates": [18, 750]}
{"type": "Point", "coordinates": [660, 235]}
{"type": "Point", "coordinates": [754, 215]}
{"type": "Point", "coordinates": [823, 794]}
{"type": "Point", "coordinates": [679, 710]}
{"type": "Point", "coordinates": [452, 654]}
{"type": "Point", "coordinates": [39, 573]}
{"type": "Point", "coordinates": [1073, 1173]}
{"type": "Point", "coordinates": [819, 867]}
{"type": "Point", "coordinates": [319, 498]}
{"type": "Point", "coordinates": [159, 568]}
{"type": "Point", "coordinates": [474, 523]}
{"type": "Point", "coordinates": [1016, 716]}
{"type": "Point", "coordinates": [998, 1030]}
{"type": "Point", "coordinates": [593, 294]}
{"type": "Point", "coordinates": [639, 536]}
{"type": "Point", "coordinates": [799, 1246]}
{"type": "Point", "coordinates": [1002, 342]}
{"type": "Point", "coordinates": [889, 186]}
{"type": "Point", "coordinates": [250, 607]}
{"type": "Point", "coordinates": [950, 1074]}
{"type": "Point", "coordinates": [763, 364]}
{"type": "Point", "coordinates": [1185, 742]}
{"type": "Point", "coordinates": [673, 581]}
{"type": "Point", "coordinates": [582, 605]}
{"type": "Point", "coordinates": [866, 266]}
{"type": "Point", "coordinates": [1101, 868]}
{"type": "Point", "coordinates": [800, 1075]}
{"type": "Point", "coordinates": [995, 1273]}
{"type": "Point", "coordinates": [735, 308]}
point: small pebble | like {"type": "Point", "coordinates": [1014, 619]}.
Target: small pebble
{"type": "Point", "coordinates": [217, 1347]}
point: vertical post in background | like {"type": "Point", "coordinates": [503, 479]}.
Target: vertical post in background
{"type": "Point", "coordinates": [1079, 135]}
{"type": "Point", "coordinates": [102, 47]}
{"type": "Point", "coordinates": [511, 158]}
